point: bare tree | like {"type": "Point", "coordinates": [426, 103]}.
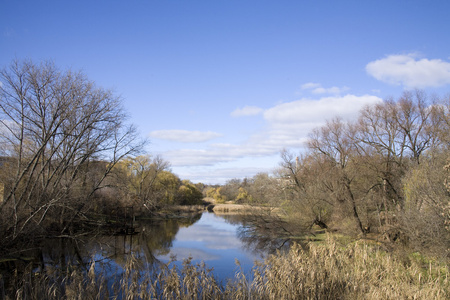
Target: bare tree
{"type": "Point", "coordinates": [55, 125]}
{"type": "Point", "coordinates": [333, 144]}
{"type": "Point", "coordinates": [301, 180]}
{"type": "Point", "coordinates": [381, 148]}
{"type": "Point", "coordinates": [416, 119]}
{"type": "Point", "coordinates": [392, 136]}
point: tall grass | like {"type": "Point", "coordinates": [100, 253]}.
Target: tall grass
{"type": "Point", "coordinates": [323, 271]}
{"type": "Point", "coordinates": [358, 271]}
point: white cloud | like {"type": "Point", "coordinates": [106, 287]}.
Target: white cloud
{"type": "Point", "coordinates": [310, 85]}
{"type": "Point", "coordinates": [332, 90]}
{"type": "Point", "coordinates": [184, 136]}
{"type": "Point", "coordinates": [287, 126]}
{"type": "Point", "coordinates": [310, 111]}
{"type": "Point", "coordinates": [246, 111]}
{"type": "Point", "coordinates": [316, 88]}
{"type": "Point", "coordinates": [410, 71]}
{"type": "Point", "coordinates": [220, 153]}
{"type": "Point", "coordinates": [198, 157]}
{"type": "Point", "coordinates": [214, 175]}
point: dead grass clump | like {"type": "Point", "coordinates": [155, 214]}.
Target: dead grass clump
{"type": "Point", "coordinates": [168, 282]}
{"type": "Point", "coordinates": [358, 271]}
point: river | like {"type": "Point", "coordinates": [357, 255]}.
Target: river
{"type": "Point", "coordinates": [216, 240]}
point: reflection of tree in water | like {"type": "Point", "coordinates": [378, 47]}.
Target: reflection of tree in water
{"type": "Point", "coordinates": [156, 237]}
{"type": "Point", "coordinates": [234, 219]}
{"type": "Point", "coordinates": [260, 233]}
{"type": "Point", "coordinates": [110, 252]}
{"type": "Point", "coordinates": [264, 233]}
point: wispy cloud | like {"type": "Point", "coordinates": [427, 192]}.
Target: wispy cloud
{"type": "Point", "coordinates": [184, 136]}
{"type": "Point", "coordinates": [308, 110]}
{"type": "Point", "coordinates": [246, 111]}
{"type": "Point", "coordinates": [310, 85]}
{"type": "Point", "coordinates": [317, 88]}
{"type": "Point", "coordinates": [221, 175]}
{"type": "Point", "coordinates": [222, 153]}
{"type": "Point", "coordinates": [410, 71]}
{"type": "Point", "coordinates": [287, 126]}
{"type": "Point", "coordinates": [199, 157]}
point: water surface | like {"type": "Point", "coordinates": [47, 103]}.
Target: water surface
{"type": "Point", "coordinates": [214, 240]}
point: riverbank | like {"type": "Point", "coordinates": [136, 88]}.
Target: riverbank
{"type": "Point", "coordinates": [240, 209]}
{"type": "Point", "coordinates": [209, 204]}
{"type": "Point", "coordinates": [221, 209]}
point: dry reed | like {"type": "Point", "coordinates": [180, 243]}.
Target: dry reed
{"type": "Point", "coordinates": [358, 271]}
{"type": "Point", "coordinates": [323, 271]}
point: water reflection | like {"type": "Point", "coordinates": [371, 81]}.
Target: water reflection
{"type": "Point", "coordinates": [216, 240]}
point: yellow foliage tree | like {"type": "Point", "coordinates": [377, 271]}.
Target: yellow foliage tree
{"type": "Point", "coordinates": [189, 194]}
{"type": "Point", "coordinates": [244, 196]}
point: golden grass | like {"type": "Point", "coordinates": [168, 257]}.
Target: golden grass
{"type": "Point", "coordinates": [243, 209]}
{"type": "Point", "coordinates": [232, 209]}
{"type": "Point", "coordinates": [358, 271]}
{"type": "Point", "coordinates": [324, 271]}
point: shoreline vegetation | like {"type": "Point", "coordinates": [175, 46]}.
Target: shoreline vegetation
{"type": "Point", "coordinates": [326, 270]}
{"type": "Point", "coordinates": [324, 266]}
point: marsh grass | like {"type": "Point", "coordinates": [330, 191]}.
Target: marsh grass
{"type": "Point", "coordinates": [357, 271]}
{"type": "Point", "coordinates": [328, 270]}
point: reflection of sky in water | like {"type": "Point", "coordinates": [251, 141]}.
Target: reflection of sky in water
{"type": "Point", "coordinates": [211, 239]}
{"type": "Point", "coordinates": [214, 241]}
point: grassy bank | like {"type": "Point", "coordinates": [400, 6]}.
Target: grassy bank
{"type": "Point", "coordinates": [221, 209]}
{"type": "Point", "coordinates": [244, 209]}
{"type": "Point", "coordinates": [323, 271]}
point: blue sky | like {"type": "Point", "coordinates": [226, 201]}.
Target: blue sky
{"type": "Point", "coordinates": [220, 87]}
